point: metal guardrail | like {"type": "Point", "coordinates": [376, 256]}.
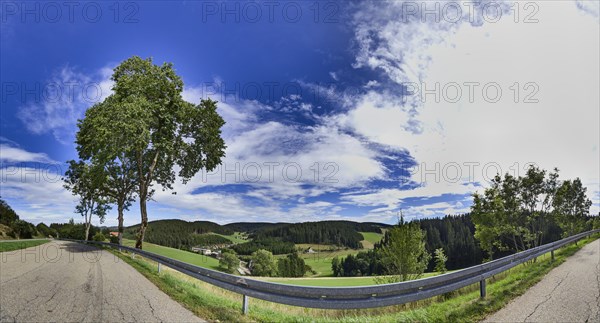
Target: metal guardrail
{"type": "Point", "coordinates": [353, 297]}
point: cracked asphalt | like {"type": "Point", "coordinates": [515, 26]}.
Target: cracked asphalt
{"type": "Point", "coordinates": [70, 282]}
{"type": "Point", "coordinates": [569, 293]}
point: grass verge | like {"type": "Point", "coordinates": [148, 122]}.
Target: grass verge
{"type": "Point", "coordinates": [213, 303]}
{"type": "Point", "coordinates": [20, 244]}
{"type": "Point", "coordinates": [181, 255]}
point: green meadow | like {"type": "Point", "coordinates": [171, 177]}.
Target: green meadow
{"type": "Point", "coordinates": [181, 255]}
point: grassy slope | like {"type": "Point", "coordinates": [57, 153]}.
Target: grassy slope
{"type": "Point", "coordinates": [182, 255]}
{"type": "Point", "coordinates": [20, 244]}
{"type": "Point", "coordinates": [235, 238]}
{"type": "Point", "coordinates": [370, 239]}
{"type": "Point", "coordinates": [213, 303]}
{"type": "Point", "coordinates": [321, 261]}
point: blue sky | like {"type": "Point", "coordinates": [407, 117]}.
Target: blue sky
{"type": "Point", "coordinates": [334, 110]}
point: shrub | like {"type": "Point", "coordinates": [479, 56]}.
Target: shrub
{"type": "Point", "coordinates": [440, 260]}
{"type": "Point", "coordinates": [99, 237]}
{"type": "Point", "coordinates": [229, 262]}
{"type": "Point", "coordinates": [114, 239]}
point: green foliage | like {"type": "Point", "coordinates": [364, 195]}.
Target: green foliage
{"type": "Point", "coordinates": [252, 227]}
{"type": "Point", "coordinates": [85, 181]}
{"type": "Point", "coordinates": [274, 245]}
{"type": "Point", "coordinates": [571, 207]}
{"type": "Point", "coordinates": [340, 233]}
{"type": "Point", "coordinates": [229, 262]}
{"type": "Point", "coordinates": [403, 253]}
{"type": "Point", "coordinates": [182, 234]}
{"type": "Point", "coordinates": [44, 230]}
{"type": "Point", "coordinates": [99, 237]}
{"type": "Point", "coordinates": [291, 266]}
{"type": "Point", "coordinates": [7, 214]}
{"type": "Point", "coordinates": [23, 229]}
{"type": "Point", "coordinates": [72, 230]}
{"type": "Point", "coordinates": [113, 239]}
{"type": "Point", "coordinates": [455, 234]}
{"type": "Point", "coordinates": [336, 267]}
{"type": "Point", "coordinates": [516, 213]}
{"type": "Point", "coordinates": [263, 264]}
{"type": "Point", "coordinates": [595, 222]}
{"type": "Point", "coordinates": [440, 260]}
{"type": "Point", "coordinates": [146, 122]}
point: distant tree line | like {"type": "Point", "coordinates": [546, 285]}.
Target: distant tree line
{"type": "Point", "coordinates": [512, 215]}
{"type": "Point", "coordinates": [182, 234]}
{"type": "Point", "coordinates": [72, 230]}
{"type": "Point", "coordinates": [274, 245]}
{"type": "Point", "coordinates": [339, 233]}
{"type": "Point", "coordinates": [454, 235]}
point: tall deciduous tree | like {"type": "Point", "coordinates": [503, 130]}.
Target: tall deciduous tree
{"type": "Point", "coordinates": [148, 128]}
{"type": "Point", "coordinates": [263, 263]}
{"type": "Point", "coordinates": [572, 207]}
{"type": "Point", "coordinates": [514, 212]}
{"type": "Point", "coordinates": [403, 253]}
{"type": "Point", "coordinates": [84, 181]}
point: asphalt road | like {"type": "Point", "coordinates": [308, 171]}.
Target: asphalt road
{"type": "Point", "coordinates": [569, 293]}
{"type": "Point", "coordinates": [70, 282]}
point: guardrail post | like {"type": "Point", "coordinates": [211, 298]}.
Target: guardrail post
{"type": "Point", "coordinates": [245, 305]}
{"type": "Point", "coordinates": [159, 267]}
{"type": "Point", "coordinates": [482, 291]}
{"type": "Point", "coordinates": [552, 255]}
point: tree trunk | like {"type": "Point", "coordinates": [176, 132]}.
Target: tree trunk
{"type": "Point", "coordinates": [120, 219]}
{"type": "Point", "coordinates": [144, 224]}
{"type": "Point", "coordinates": [87, 227]}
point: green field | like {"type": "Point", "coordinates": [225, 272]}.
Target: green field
{"type": "Point", "coordinates": [370, 239]}
{"type": "Point", "coordinates": [181, 255]}
{"type": "Point", "coordinates": [321, 261]}
{"type": "Point", "coordinates": [235, 237]}
{"type": "Point", "coordinates": [20, 244]}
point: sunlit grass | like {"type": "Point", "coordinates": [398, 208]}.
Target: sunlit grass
{"type": "Point", "coordinates": [181, 255]}
{"type": "Point", "coordinates": [213, 303]}
{"type": "Point", "coordinates": [20, 244]}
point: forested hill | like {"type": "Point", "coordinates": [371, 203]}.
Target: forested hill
{"type": "Point", "coordinates": [252, 227]}
{"type": "Point", "coordinates": [341, 233]}
{"type": "Point", "coordinates": [181, 234]}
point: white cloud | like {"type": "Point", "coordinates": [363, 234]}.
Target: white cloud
{"type": "Point", "coordinates": [279, 151]}
{"type": "Point", "coordinates": [32, 185]}
{"type": "Point", "coordinates": [560, 54]}
{"type": "Point", "coordinates": [61, 100]}
{"type": "Point", "coordinates": [11, 154]}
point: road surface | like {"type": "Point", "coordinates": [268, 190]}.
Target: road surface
{"type": "Point", "coordinates": [70, 282]}
{"type": "Point", "coordinates": [569, 293]}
